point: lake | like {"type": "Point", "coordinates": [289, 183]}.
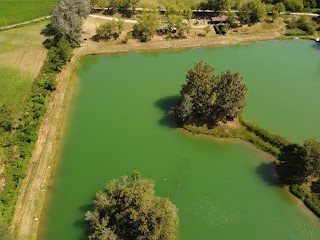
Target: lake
{"type": "Point", "coordinates": [224, 189]}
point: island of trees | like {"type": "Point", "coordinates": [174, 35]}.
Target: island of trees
{"type": "Point", "coordinates": [208, 101]}
{"type": "Point", "coordinates": [128, 209]}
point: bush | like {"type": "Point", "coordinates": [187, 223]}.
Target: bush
{"type": "Point", "coordinates": [146, 27]}
{"type": "Point", "coordinates": [109, 30]}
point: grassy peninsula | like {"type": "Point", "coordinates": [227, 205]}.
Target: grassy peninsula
{"type": "Point", "coordinates": [212, 104]}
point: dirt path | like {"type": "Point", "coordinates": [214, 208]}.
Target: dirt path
{"type": "Point", "coordinates": [26, 219]}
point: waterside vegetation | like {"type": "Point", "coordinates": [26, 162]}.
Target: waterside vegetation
{"type": "Point", "coordinates": [298, 165]}
{"type": "Point", "coordinates": [21, 130]}
{"type": "Point", "coordinates": [128, 209]}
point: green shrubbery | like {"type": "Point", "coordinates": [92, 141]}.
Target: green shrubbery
{"type": "Point", "coordinates": [23, 130]}
{"type": "Point", "coordinates": [301, 24]}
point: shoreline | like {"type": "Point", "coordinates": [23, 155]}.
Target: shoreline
{"type": "Point", "coordinates": [46, 154]}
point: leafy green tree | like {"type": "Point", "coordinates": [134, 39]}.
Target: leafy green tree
{"type": "Point", "coordinates": [6, 117]}
{"type": "Point", "coordinates": [218, 5]}
{"type": "Point", "coordinates": [123, 5]}
{"type": "Point", "coordinates": [294, 5]}
{"type": "Point", "coordinates": [280, 7]}
{"type": "Point", "coordinates": [67, 19]}
{"type": "Point", "coordinates": [146, 27]}
{"type": "Point", "coordinates": [128, 209]}
{"type": "Point", "coordinates": [230, 97]}
{"type": "Point", "coordinates": [99, 3]}
{"type": "Point", "coordinates": [200, 87]}
{"type": "Point", "coordinates": [65, 50]}
{"type": "Point", "coordinates": [208, 99]}
{"type": "Point", "coordinates": [252, 12]}
{"type": "Point", "coordinates": [311, 155]}
{"type": "Point", "coordinates": [292, 168]}
{"type": "Point", "coordinates": [109, 30]}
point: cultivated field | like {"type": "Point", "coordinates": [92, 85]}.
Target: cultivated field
{"type": "Point", "coordinates": [21, 58]}
{"type": "Point", "coordinates": [16, 11]}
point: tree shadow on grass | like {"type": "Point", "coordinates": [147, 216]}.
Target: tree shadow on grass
{"type": "Point", "coordinates": [166, 105]}
{"type": "Point", "coordinates": [81, 223]}
{"type": "Point", "coordinates": [268, 173]}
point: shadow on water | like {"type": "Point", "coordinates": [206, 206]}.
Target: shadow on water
{"type": "Point", "coordinates": [316, 45]}
{"type": "Point", "coordinates": [167, 105]}
{"type": "Point", "coordinates": [81, 223]}
{"type": "Point", "coordinates": [268, 173]}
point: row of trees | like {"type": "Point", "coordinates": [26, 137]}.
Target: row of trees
{"type": "Point", "coordinates": [128, 209]}
{"type": "Point", "coordinates": [209, 99]}
{"type": "Point", "coordinates": [21, 128]}
{"type": "Point", "coordinates": [145, 28]}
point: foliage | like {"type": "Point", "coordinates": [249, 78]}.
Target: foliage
{"type": "Point", "coordinates": [273, 139]}
{"type": "Point", "coordinates": [146, 27]}
{"type": "Point", "coordinates": [109, 30]}
{"type": "Point", "coordinates": [209, 99]}
{"type": "Point", "coordinates": [294, 5]}
{"type": "Point", "coordinates": [5, 232]}
{"type": "Point", "coordinates": [298, 163]}
{"type": "Point", "coordinates": [123, 5]}
{"type": "Point", "coordinates": [6, 117]}
{"type": "Point", "coordinates": [302, 24]}
{"type": "Point", "coordinates": [217, 5]}
{"type": "Point", "coordinates": [22, 140]}
{"type": "Point", "coordinates": [99, 3]}
{"type": "Point", "coordinates": [252, 12]}
{"type": "Point", "coordinates": [128, 209]}
{"type": "Point", "coordinates": [67, 19]}
{"type": "Point", "coordinates": [221, 29]}
{"type": "Point", "coordinates": [175, 23]}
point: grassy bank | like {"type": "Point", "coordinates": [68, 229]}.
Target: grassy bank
{"type": "Point", "coordinates": [267, 142]}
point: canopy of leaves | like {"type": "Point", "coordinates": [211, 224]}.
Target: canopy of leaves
{"type": "Point", "coordinates": [208, 99]}
{"type": "Point", "coordinates": [146, 27]}
{"type": "Point", "coordinates": [216, 5]}
{"type": "Point", "coordinates": [67, 19]}
{"type": "Point", "coordinates": [252, 12]}
{"type": "Point", "coordinates": [109, 30]}
{"type": "Point", "coordinates": [298, 163]}
{"type": "Point", "coordinates": [128, 209]}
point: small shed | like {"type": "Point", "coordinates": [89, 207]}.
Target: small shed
{"type": "Point", "coordinates": [219, 20]}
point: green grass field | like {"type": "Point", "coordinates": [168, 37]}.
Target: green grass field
{"type": "Point", "coordinates": [21, 58]}
{"type": "Point", "coordinates": [16, 11]}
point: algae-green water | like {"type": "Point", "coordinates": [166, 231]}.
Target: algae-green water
{"type": "Point", "coordinates": [224, 189]}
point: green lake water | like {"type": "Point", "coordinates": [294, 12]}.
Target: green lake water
{"type": "Point", "coordinates": [224, 189]}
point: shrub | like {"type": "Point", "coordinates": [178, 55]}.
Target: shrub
{"type": "Point", "coordinates": [109, 30]}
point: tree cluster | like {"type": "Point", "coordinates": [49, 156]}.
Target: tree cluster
{"type": "Point", "coordinates": [146, 27]}
{"type": "Point", "coordinates": [252, 12]}
{"type": "Point", "coordinates": [216, 5]}
{"type": "Point", "coordinates": [209, 99]}
{"type": "Point", "coordinates": [300, 162]}
{"type": "Point", "coordinates": [128, 209]}
{"type": "Point", "coordinates": [109, 30]}
{"type": "Point", "coordinates": [67, 19]}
